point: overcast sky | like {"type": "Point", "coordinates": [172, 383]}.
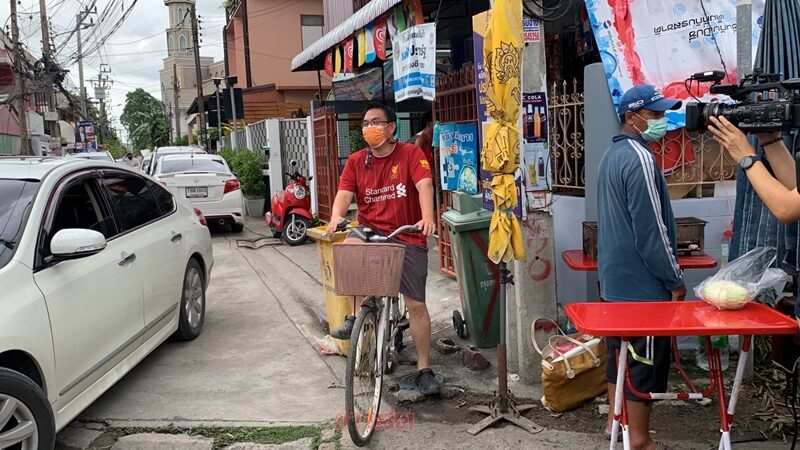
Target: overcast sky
{"type": "Point", "coordinates": [134, 52]}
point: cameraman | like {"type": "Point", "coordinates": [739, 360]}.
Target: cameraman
{"type": "Point", "coordinates": [778, 192]}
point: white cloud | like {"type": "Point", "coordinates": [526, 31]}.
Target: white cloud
{"type": "Point", "coordinates": [134, 52]}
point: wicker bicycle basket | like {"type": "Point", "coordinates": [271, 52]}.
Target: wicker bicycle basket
{"type": "Point", "coordinates": [368, 269]}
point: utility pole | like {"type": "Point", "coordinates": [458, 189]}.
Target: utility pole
{"type": "Point", "coordinates": [19, 84]}
{"type": "Point", "coordinates": [219, 115]}
{"type": "Point", "coordinates": [199, 80]}
{"type": "Point", "coordinates": [176, 87]}
{"type": "Point", "coordinates": [80, 25]}
{"type": "Point", "coordinates": [231, 82]}
{"type": "Point", "coordinates": [100, 87]}
{"type": "Point", "coordinates": [52, 104]}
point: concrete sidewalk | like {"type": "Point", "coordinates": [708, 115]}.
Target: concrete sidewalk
{"type": "Point", "coordinates": [252, 365]}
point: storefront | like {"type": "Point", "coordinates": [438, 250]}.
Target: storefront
{"type": "Point", "coordinates": [357, 55]}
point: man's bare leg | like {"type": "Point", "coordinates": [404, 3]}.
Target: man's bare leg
{"type": "Point", "coordinates": [420, 324]}
{"type": "Point", "coordinates": [638, 421]}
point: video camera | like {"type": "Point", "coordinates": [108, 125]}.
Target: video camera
{"type": "Point", "coordinates": [750, 116]}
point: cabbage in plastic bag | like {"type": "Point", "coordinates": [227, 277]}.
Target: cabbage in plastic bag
{"type": "Point", "coordinates": [742, 280]}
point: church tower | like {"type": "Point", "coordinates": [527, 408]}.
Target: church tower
{"type": "Point", "coordinates": [178, 76]}
{"type": "Point", "coordinates": [179, 33]}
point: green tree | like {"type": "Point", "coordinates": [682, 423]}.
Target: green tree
{"type": "Point", "coordinates": [143, 116]}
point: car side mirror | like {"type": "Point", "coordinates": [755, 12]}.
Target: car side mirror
{"type": "Point", "coordinates": [72, 243]}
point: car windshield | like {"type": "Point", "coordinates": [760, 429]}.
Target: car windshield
{"type": "Point", "coordinates": [193, 165]}
{"type": "Point", "coordinates": [16, 197]}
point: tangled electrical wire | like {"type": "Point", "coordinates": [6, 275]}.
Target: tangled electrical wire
{"type": "Point", "coordinates": [552, 13]}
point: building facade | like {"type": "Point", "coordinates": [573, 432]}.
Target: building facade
{"type": "Point", "coordinates": [261, 38]}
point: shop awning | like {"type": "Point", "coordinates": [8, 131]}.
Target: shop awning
{"type": "Point", "coordinates": [313, 57]}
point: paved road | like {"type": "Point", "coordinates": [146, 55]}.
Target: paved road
{"type": "Point", "coordinates": [249, 366]}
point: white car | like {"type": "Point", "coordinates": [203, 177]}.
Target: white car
{"type": "Point", "coordinates": [95, 156]}
{"type": "Point", "coordinates": [160, 152]}
{"type": "Point", "coordinates": [208, 183]}
{"type": "Point", "coordinates": [98, 265]}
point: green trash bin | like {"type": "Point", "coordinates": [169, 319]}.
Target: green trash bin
{"type": "Point", "coordinates": [478, 278]}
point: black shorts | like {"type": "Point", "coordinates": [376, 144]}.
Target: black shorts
{"type": "Point", "coordinates": [415, 273]}
{"type": "Point", "coordinates": [649, 367]}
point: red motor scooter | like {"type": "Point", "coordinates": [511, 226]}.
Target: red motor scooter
{"type": "Point", "coordinates": [290, 215]}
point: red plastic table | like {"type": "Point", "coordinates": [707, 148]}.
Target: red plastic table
{"type": "Point", "coordinates": [577, 260]}
{"type": "Point", "coordinates": [630, 319]}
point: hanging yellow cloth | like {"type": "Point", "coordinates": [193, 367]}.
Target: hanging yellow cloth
{"type": "Point", "coordinates": [502, 53]}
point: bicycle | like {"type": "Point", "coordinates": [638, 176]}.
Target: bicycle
{"type": "Point", "coordinates": [375, 342]}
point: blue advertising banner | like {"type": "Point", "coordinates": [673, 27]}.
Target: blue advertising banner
{"type": "Point", "coordinates": [414, 53]}
{"type": "Point", "coordinates": [458, 144]}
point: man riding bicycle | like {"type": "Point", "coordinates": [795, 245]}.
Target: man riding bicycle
{"type": "Point", "coordinates": [393, 186]}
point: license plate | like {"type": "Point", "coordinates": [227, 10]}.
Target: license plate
{"type": "Point", "coordinates": [196, 192]}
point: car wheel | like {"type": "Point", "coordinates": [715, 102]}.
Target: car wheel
{"type": "Point", "coordinates": [237, 227]}
{"type": "Point", "coordinates": [193, 303]}
{"type": "Point", "coordinates": [26, 420]}
{"type": "Point", "coordinates": [294, 232]}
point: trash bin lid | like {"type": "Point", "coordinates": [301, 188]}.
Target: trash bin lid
{"type": "Point", "coordinates": [318, 234]}
{"type": "Point", "coordinates": [467, 222]}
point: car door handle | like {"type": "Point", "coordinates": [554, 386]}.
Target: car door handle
{"type": "Point", "coordinates": [128, 259]}
{"type": "Point", "coordinates": [176, 237]}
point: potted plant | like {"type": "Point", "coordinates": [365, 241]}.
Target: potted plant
{"type": "Point", "coordinates": [247, 167]}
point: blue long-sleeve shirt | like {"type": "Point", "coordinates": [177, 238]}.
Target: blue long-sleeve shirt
{"type": "Point", "coordinates": [636, 242]}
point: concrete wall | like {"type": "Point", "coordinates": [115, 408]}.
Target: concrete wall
{"type": "Point", "coordinates": [569, 213]}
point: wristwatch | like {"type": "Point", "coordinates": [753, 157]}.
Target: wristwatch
{"type": "Point", "coordinates": [748, 161]}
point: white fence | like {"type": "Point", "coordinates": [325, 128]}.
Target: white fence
{"type": "Point", "coordinates": [282, 141]}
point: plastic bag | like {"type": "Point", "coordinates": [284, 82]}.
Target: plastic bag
{"type": "Point", "coordinates": [742, 280]}
{"type": "Point", "coordinates": [326, 346]}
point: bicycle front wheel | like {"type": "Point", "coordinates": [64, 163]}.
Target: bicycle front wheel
{"type": "Point", "coordinates": [364, 378]}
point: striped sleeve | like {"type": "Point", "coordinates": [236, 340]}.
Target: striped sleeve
{"type": "Point", "coordinates": [653, 242]}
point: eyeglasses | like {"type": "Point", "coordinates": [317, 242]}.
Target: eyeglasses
{"type": "Point", "coordinates": [374, 124]}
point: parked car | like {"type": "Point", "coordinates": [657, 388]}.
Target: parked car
{"type": "Point", "coordinates": [160, 152]}
{"type": "Point", "coordinates": [208, 183]}
{"type": "Point", "coordinates": [99, 265]}
{"type": "Point", "coordinates": [96, 156]}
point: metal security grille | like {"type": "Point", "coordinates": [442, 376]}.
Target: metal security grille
{"type": "Point", "coordinates": [259, 139]}
{"type": "Point", "coordinates": [294, 146]}
{"type": "Point", "coordinates": [326, 154]}
{"type": "Point", "coordinates": [567, 137]}
{"type": "Point", "coordinates": [456, 102]}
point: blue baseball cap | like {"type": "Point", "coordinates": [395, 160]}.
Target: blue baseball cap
{"type": "Point", "coordinates": [645, 96]}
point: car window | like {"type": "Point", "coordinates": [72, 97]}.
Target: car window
{"type": "Point", "coordinates": [193, 165]}
{"type": "Point", "coordinates": [133, 201]}
{"type": "Point", "coordinates": [16, 197]}
{"type": "Point", "coordinates": [80, 205]}
{"type": "Point", "coordinates": [166, 202]}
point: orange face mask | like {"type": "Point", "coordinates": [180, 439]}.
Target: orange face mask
{"type": "Point", "coordinates": [374, 136]}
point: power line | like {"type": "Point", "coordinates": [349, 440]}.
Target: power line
{"type": "Point", "coordinates": [160, 33]}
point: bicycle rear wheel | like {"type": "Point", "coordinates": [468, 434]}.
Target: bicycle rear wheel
{"type": "Point", "coordinates": [364, 378]}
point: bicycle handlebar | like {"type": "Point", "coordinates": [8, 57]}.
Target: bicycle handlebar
{"type": "Point", "coordinates": [369, 236]}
